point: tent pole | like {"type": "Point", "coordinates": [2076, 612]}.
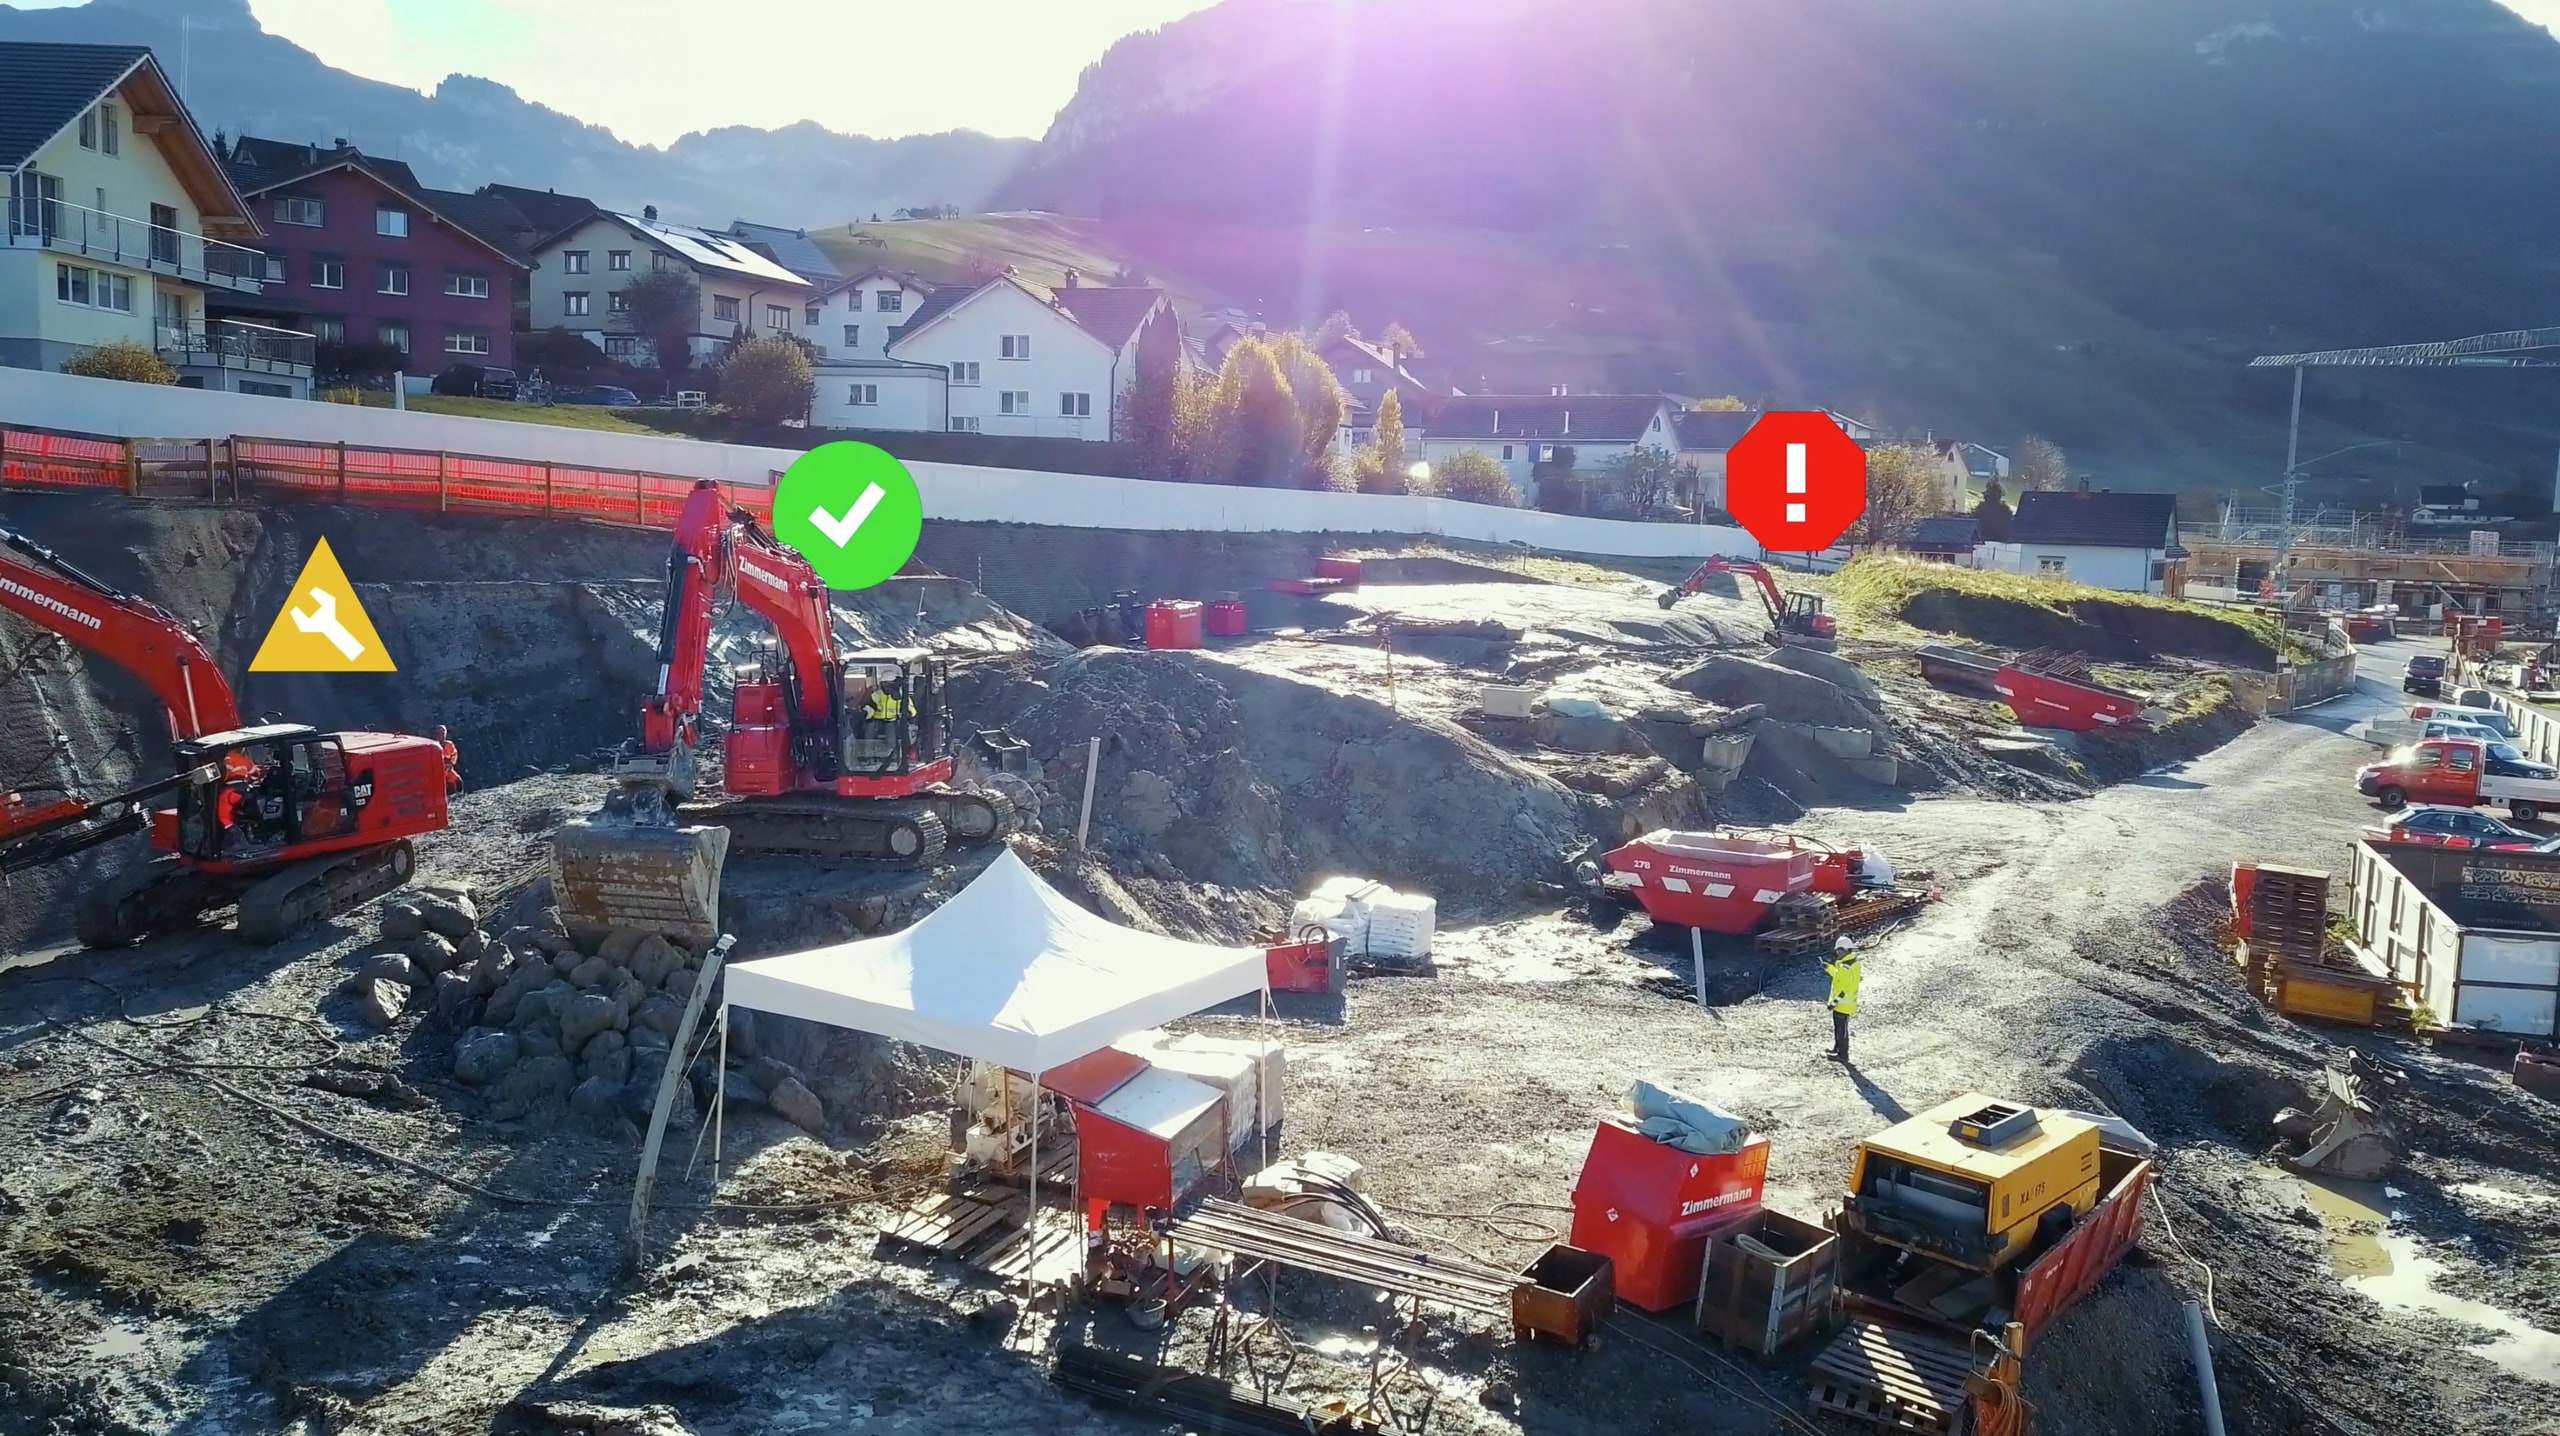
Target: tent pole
{"type": "Point", "coordinates": [1031, 1229]}
{"type": "Point", "coordinates": [719, 1095]}
{"type": "Point", "coordinates": [1261, 1090]}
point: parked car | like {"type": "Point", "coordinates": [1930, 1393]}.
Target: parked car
{"type": "Point", "coordinates": [607, 395]}
{"type": "Point", "coordinates": [475, 381]}
{"type": "Point", "coordinates": [2484, 717]}
{"type": "Point", "coordinates": [2475, 698]}
{"type": "Point", "coordinates": [2443, 827]}
{"type": "Point", "coordinates": [2424, 676]}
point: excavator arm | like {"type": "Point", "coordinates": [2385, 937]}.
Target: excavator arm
{"type": "Point", "coordinates": [1770, 598]}
{"type": "Point", "coordinates": [136, 635]}
{"type": "Point", "coordinates": [697, 568]}
{"type": "Point", "coordinates": [780, 587]}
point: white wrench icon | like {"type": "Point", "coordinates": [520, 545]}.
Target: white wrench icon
{"type": "Point", "coordinates": [326, 624]}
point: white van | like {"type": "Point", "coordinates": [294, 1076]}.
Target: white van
{"type": "Point", "coordinates": [2489, 718]}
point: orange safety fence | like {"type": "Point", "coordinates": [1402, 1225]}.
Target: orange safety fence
{"type": "Point", "coordinates": [289, 470]}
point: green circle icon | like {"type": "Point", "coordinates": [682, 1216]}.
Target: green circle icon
{"type": "Point", "coordinates": [851, 510]}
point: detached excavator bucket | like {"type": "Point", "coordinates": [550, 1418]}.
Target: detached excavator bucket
{"type": "Point", "coordinates": [611, 874]}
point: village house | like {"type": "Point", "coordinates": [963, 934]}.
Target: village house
{"type": "Point", "coordinates": [2123, 541]}
{"type": "Point", "coordinates": [1521, 432]}
{"type": "Point", "coordinates": [121, 225]}
{"type": "Point", "coordinates": [363, 253]}
{"type": "Point", "coordinates": [1705, 436]}
{"type": "Point", "coordinates": [1001, 357]}
{"type": "Point", "coordinates": [581, 271]}
{"type": "Point", "coordinates": [1367, 373]}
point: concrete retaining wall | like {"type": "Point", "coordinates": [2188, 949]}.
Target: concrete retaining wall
{"type": "Point", "coordinates": [956, 493]}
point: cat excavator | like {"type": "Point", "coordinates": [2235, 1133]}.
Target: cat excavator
{"type": "Point", "coordinates": [1795, 619]}
{"type": "Point", "coordinates": [829, 753]}
{"type": "Point", "coordinates": [287, 823]}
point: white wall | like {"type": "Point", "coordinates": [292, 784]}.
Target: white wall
{"type": "Point", "coordinates": [954, 493]}
{"type": "Point", "coordinates": [2123, 569]}
{"type": "Point", "coordinates": [1064, 358]}
{"type": "Point", "coordinates": [909, 399]}
{"type": "Point", "coordinates": [860, 305]}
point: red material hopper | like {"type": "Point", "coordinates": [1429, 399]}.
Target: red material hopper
{"type": "Point", "coordinates": [1173, 623]}
{"type": "Point", "coordinates": [1227, 617]}
{"type": "Point", "coordinates": [1651, 1208]}
{"type": "Point", "coordinates": [1713, 881]}
{"type": "Point", "coordinates": [2045, 700]}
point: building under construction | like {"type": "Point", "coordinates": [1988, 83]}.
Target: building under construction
{"type": "Point", "coordinates": [2359, 560]}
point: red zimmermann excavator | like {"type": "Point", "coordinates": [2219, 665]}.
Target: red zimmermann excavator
{"type": "Point", "coordinates": [288, 823]}
{"type": "Point", "coordinates": [1795, 619]}
{"type": "Point", "coordinates": [803, 769]}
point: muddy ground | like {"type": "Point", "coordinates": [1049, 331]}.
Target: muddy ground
{"type": "Point", "coordinates": [197, 1240]}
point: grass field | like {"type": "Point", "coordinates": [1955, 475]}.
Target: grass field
{"type": "Point", "coordinates": [566, 416]}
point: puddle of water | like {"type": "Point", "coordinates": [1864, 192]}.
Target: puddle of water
{"type": "Point", "coordinates": [114, 1343]}
{"type": "Point", "coordinates": [2487, 1195]}
{"type": "Point", "coordinates": [2390, 1267]}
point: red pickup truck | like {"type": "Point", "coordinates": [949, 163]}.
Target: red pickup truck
{"type": "Point", "coordinates": [2462, 773]}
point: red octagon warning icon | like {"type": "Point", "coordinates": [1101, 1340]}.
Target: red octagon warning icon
{"type": "Point", "coordinates": [1796, 482]}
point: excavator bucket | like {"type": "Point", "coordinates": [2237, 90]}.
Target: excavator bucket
{"type": "Point", "coordinates": [613, 874]}
{"type": "Point", "coordinates": [2345, 1135]}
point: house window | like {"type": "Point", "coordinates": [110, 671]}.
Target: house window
{"type": "Point", "coordinates": [88, 130]}
{"type": "Point", "coordinates": [2049, 563]}
{"type": "Point", "coordinates": [1015, 346]}
{"type": "Point", "coordinates": [574, 302]}
{"type": "Point", "coordinates": [865, 395]}
{"type": "Point", "coordinates": [300, 209]}
{"type": "Point", "coordinates": [392, 220]}
{"type": "Point", "coordinates": [617, 303]}
{"type": "Point", "coordinates": [617, 260]}
{"type": "Point", "coordinates": [328, 272]}
{"type": "Point", "coordinates": [1361, 376]}
{"type": "Point", "coordinates": [266, 390]}
{"type": "Point", "coordinates": [1506, 453]}
{"type": "Point", "coordinates": [815, 313]}
{"type": "Point", "coordinates": [777, 317]}
{"type": "Point", "coordinates": [115, 291]}
{"type": "Point", "coordinates": [329, 331]}
{"type": "Point", "coordinates": [392, 334]}
{"type": "Point", "coordinates": [462, 285]}
{"type": "Point", "coordinates": [1075, 406]}
{"type": "Point", "coordinates": [271, 268]}
{"type": "Point", "coordinates": [891, 301]}
{"type": "Point", "coordinates": [107, 129]}
{"type": "Point", "coordinates": [466, 341]}
{"type": "Point", "coordinates": [968, 425]}
{"type": "Point", "coordinates": [1014, 401]}
{"type": "Point", "coordinates": [621, 346]}
{"type": "Point", "coordinates": [658, 261]}
{"type": "Point", "coordinates": [71, 283]}
{"type": "Point", "coordinates": [965, 374]}
{"type": "Point", "coordinates": [853, 336]}
{"type": "Point", "coordinates": [394, 279]}
{"type": "Point", "coordinates": [573, 261]}
{"type": "Point", "coordinates": [164, 233]}
{"type": "Point", "coordinates": [725, 308]}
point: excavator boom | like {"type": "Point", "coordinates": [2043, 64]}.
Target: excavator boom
{"type": "Point", "coordinates": [133, 633]}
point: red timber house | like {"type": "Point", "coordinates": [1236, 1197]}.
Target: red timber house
{"type": "Point", "coordinates": [359, 252]}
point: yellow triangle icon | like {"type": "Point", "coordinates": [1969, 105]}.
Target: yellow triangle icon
{"type": "Point", "coordinates": [322, 628]}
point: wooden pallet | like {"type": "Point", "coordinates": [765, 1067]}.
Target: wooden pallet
{"type": "Point", "coordinates": [1891, 1377]}
{"type": "Point", "coordinates": [948, 1224]}
{"type": "Point", "coordinates": [1055, 1258]}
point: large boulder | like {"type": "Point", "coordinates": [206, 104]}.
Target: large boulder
{"type": "Point", "coordinates": [653, 958]}
{"type": "Point", "coordinates": [391, 967]}
{"type": "Point", "coordinates": [482, 1054]}
{"type": "Point", "coordinates": [381, 1001]}
{"type": "Point", "coordinates": [656, 1013]}
{"type": "Point", "coordinates": [597, 1099]}
{"type": "Point", "coordinates": [401, 921]}
{"type": "Point", "coordinates": [584, 1015]}
{"type": "Point", "coordinates": [431, 952]}
{"type": "Point", "coordinates": [453, 995]}
{"type": "Point", "coordinates": [1791, 697]}
{"type": "Point", "coordinates": [591, 973]}
{"type": "Point", "coordinates": [449, 914]}
{"type": "Point", "coordinates": [1831, 666]}
{"type": "Point", "coordinates": [798, 1105]}
{"type": "Point", "coordinates": [533, 1082]}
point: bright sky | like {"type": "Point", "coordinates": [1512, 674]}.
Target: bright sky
{"type": "Point", "coordinates": [651, 70]}
{"type": "Point", "coordinates": [2541, 12]}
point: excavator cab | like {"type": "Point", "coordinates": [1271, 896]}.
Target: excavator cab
{"type": "Point", "coordinates": [267, 788]}
{"type": "Point", "coordinates": [893, 711]}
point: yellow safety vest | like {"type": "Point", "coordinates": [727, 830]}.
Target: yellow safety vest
{"type": "Point", "coordinates": [1844, 984]}
{"type": "Point", "coordinates": [883, 706]}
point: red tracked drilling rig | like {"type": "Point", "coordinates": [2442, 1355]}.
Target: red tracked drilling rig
{"type": "Point", "coordinates": [289, 823]}
{"type": "Point", "coordinates": [805, 768]}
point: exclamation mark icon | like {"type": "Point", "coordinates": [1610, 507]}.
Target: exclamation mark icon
{"type": "Point", "coordinates": [1795, 483]}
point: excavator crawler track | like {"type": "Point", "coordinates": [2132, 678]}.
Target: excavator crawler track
{"type": "Point", "coordinates": [972, 817]}
{"type": "Point", "coordinates": [277, 906]}
{"type": "Point", "coordinates": [904, 832]}
{"type": "Point", "coordinates": [140, 900]}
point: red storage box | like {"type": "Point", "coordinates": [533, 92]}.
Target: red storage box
{"type": "Point", "coordinates": [1173, 623]}
{"type": "Point", "coordinates": [1227, 618]}
{"type": "Point", "coordinates": [1347, 570]}
{"type": "Point", "coordinates": [1651, 1208]}
{"type": "Point", "coordinates": [1311, 966]}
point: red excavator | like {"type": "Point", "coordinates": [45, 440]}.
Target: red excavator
{"type": "Point", "coordinates": [1795, 619]}
{"type": "Point", "coordinates": [834, 754]}
{"type": "Point", "coordinates": [288, 823]}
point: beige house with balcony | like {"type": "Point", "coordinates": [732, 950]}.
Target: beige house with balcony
{"type": "Point", "coordinates": [120, 223]}
{"type": "Point", "coordinates": [579, 274]}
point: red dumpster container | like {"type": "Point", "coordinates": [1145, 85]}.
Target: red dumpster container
{"type": "Point", "coordinates": [1716, 882]}
{"type": "Point", "coordinates": [1173, 623]}
{"type": "Point", "coordinates": [1227, 617]}
{"type": "Point", "coordinates": [1344, 570]}
{"type": "Point", "coordinates": [1651, 1208]}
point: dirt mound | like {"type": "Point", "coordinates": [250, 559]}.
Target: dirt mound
{"type": "Point", "coordinates": [1254, 780]}
{"type": "Point", "coordinates": [2101, 628]}
{"type": "Point", "coordinates": [1790, 696]}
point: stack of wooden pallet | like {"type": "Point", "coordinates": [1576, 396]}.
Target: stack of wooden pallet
{"type": "Point", "coordinates": [2292, 964]}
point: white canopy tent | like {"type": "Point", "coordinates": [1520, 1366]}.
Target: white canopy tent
{"type": "Point", "coordinates": [1008, 971]}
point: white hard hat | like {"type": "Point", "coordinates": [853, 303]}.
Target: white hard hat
{"type": "Point", "coordinates": [1842, 944]}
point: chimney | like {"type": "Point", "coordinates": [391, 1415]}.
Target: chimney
{"type": "Point", "coordinates": [649, 212]}
{"type": "Point", "coordinates": [1557, 391]}
{"type": "Point", "coordinates": [1497, 421]}
{"type": "Point", "coordinates": [1568, 421]}
{"type": "Point", "coordinates": [2084, 486]}
{"type": "Point", "coordinates": [1072, 277]}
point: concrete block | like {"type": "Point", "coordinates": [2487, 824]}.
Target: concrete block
{"type": "Point", "coordinates": [1845, 742]}
{"type": "Point", "coordinates": [1883, 770]}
